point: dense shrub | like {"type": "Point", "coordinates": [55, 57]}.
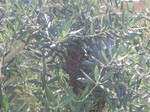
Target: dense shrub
{"type": "Point", "coordinates": [78, 56]}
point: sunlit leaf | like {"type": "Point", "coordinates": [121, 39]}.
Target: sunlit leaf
{"type": "Point", "coordinates": [97, 73]}
{"type": "Point", "coordinates": [5, 103]}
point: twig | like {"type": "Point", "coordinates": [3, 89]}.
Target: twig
{"type": "Point", "coordinates": [14, 52]}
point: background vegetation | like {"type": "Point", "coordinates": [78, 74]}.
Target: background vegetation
{"type": "Point", "coordinates": [74, 56]}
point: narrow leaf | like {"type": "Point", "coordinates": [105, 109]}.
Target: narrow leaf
{"type": "Point", "coordinates": [96, 74]}
{"type": "Point", "coordinates": [5, 103]}
{"type": "Point", "coordinates": [107, 75]}
{"type": "Point", "coordinates": [84, 93]}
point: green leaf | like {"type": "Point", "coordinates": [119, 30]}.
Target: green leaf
{"type": "Point", "coordinates": [123, 16]}
{"type": "Point", "coordinates": [118, 52]}
{"type": "Point", "coordinates": [65, 28]}
{"type": "Point", "coordinates": [5, 103]}
{"type": "Point", "coordinates": [107, 75]}
{"type": "Point", "coordinates": [109, 102]}
{"type": "Point", "coordinates": [105, 57]}
{"type": "Point", "coordinates": [21, 3]}
{"type": "Point", "coordinates": [40, 3]}
{"type": "Point", "coordinates": [41, 98]}
{"type": "Point", "coordinates": [84, 93]}
{"type": "Point", "coordinates": [92, 29]}
{"type": "Point", "coordinates": [102, 20]}
{"type": "Point", "coordinates": [66, 100]}
{"type": "Point", "coordinates": [49, 94]}
{"type": "Point", "coordinates": [96, 74]}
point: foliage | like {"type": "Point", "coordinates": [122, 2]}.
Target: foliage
{"type": "Point", "coordinates": [81, 56]}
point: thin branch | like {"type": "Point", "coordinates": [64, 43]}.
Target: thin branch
{"type": "Point", "coordinates": [19, 48]}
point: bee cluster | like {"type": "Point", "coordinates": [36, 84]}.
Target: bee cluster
{"type": "Point", "coordinates": [75, 68]}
